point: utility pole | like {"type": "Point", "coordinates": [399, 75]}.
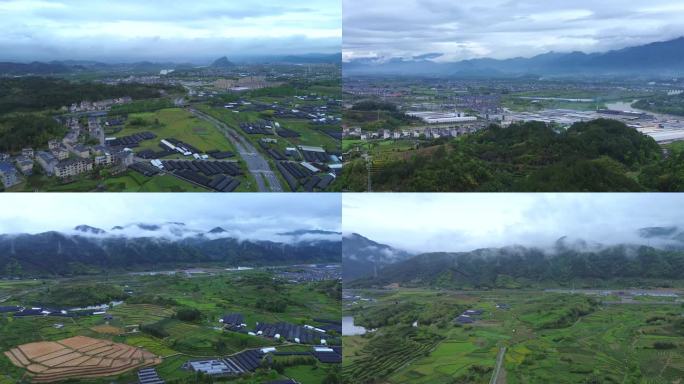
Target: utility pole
{"type": "Point", "coordinates": [369, 166]}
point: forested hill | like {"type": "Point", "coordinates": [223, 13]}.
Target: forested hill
{"type": "Point", "coordinates": [363, 257]}
{"type": "Point", "coordinates": [519, 267]}
{"type": "Point", "coordinates": [599, 155]}
{"type": "Point", "coordinates": [55, 253]}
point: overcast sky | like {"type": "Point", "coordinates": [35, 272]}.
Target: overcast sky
{"type": "Point", "coordinates": [463, 222]}
{"type": "Point", "coordinates": [249, 215]}
{"type": "Point", "coordinates": [176, 30]}
{"type": "Point", "coordinates": [503, 28]}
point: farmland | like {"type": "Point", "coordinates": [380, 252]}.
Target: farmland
{"type": "Point", "coordinates": [549, 337]}
{"type": "Point", "coordinates": [175, 123]}
{"type": "Point", "coordinates": [147, 319]}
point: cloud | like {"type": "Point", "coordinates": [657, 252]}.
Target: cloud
{"type": "Point", "coordinates": [464, 222]}
{"type": "Point", "coordinates": [166, 30]}
{"type": "Point", "coordinates": [245, 216]}
{"type": "Point", "coordinates": [503, 28]}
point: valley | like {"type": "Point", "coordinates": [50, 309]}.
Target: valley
{"type": "Point", "coordinates": [176, 318]}
{"type": "Point", "coordinates": [421, 336]}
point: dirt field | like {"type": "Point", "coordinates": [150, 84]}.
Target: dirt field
{"type": "Point", "coordinates": [78, 357]}
{"type": "Point", "coordinates": [107, 329]}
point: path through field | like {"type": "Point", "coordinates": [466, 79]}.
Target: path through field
{"type": "Point", "coordinates": [497, 368]}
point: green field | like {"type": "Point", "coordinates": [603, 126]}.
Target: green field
{"type": "Point", "coordinates": [155, 302]}
{"type": "Point", "coordinates": [178, 124]}
{"type": "Point", "coordinates": [309, 135]}
{"type": "Point", "coordinates": [550, 337]}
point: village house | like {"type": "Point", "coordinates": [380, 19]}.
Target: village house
{"type": "Point", "coordinates": [60, 152]}
{"type": "Point", "coordinates": [47, 161]}
{"type": "Point", "coordinates": [25, 165]}
{"type": "Point", "coordinates": [73, 167]}
{"type": "Point", "coordinates": [81, 151]}
{"type": "Point", "coordinates": [27, 152]}
{"type": "Point", "coordinates": [104, 159]}
{"type": "Point", "coordinates": [8, 174]}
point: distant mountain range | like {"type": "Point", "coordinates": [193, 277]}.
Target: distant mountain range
{"type": "Point", "coordinates": [362, 257]}
{"type": "Point", "coordinates": [76, 66]}
{"type": "Point", "coordinates": [656, 253]}
{"type": "Point", "coordinates": [660, 58]}
{"type": "Point", "coordinates": [141, 245]}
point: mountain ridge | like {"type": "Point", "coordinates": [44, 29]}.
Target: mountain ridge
{"type": "Point", "coordinates": [665, 58]}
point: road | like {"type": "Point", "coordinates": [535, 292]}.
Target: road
{"type": "Point", "coordinates": [497, 368]}
{"type": "Point", "coordinates": [266, 179]}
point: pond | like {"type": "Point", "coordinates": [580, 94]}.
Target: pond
{"type": "Point", "coordinates": [349, 328]}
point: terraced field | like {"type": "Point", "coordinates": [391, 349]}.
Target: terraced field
{"type": "Point", "coordinates": [549, 338]}
{"type": "Point", "coordinates": [157, 306]}
{"type": "Point", "coordinates": [384, 355]}
{"type": "Point", "coordinates": [134, 314]}
{"type": "Point", "coordinates": [78, 357]}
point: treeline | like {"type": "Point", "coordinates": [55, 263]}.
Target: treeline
{"type": "Point", "coordinates": [599, 155]}
{"type": "Point", "coordinates": [670, 104]}
{"type": "Point", "coordinates": [373, 115]}
{"type": "Point", "coordinates": [34, 254]}
{"type": "Point", "coordinates": [28, 130]}
{"type": "Point", "coordinates": [141, 106]}
{"type": "Point", "coordinates": [77, 295]}
{"type": "Point", "coordinates": [372, 105]}
{"type": "Point", "coordinates": [36, 93]}
{"type": "Point", "coordinates": [520, 267]}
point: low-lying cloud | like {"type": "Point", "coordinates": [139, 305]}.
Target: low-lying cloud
{"type": "Point", "coordinates": [464, 222]}
{"type": "Point", "coordinates": [253, 216]}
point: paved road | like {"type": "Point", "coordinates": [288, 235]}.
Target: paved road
{"type": "Point", "coordinates": [499, 362]}
{"type": "Point", "coordinates": [256, 163]}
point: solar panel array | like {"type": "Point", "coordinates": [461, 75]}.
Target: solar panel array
{"type": "Point", "coordinates": [233, 319]}
{"type": "Point", "coordinates": [289, 332]}
{"type": "Point", "coordinates": [284, 132]}
{"type": "Point", "coordinates": [315, 157]}
{"type": "Point", "coordinates": [131, 140]}
{"type": "Point", "coordinates": [209, 168]}
{"type": "Point", "coordinates": [247, 360]}
{"type": "Point", "coordinates": [149, 376]}
{"type": "Point", "coordinates": [144, 168]}
{"type": "Point", "coordinates": [257, 128]}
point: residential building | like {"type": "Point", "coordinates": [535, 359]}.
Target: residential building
{"type": "Point", "coordinates": [47, 161]}
{"type": "Point", "coordinates": [81, 151]}
{"type": "Point", "coordinates": [54, 144]}
{"type": "Point", "coordinates": [27, 152]}
{"type": "Point", "coordinates": [60, 152]}
{"type": "Point", "coordinates": [73, 167]}
{"type": "Point", "coordinates": [25, 165]}
{"type": "Point", "coordinates": [8, 174]}
{"type": "Point", "coordinates": [105, 159]}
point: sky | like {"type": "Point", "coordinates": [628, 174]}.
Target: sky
{"type": "Point", "coordinates": [458, 30]}
{"type": "Point", "coordinates": [464, 222]}
{"type": "Point", "coordinates": [246, 215]}
{"type": "Point", "coordinates": [168, 30]}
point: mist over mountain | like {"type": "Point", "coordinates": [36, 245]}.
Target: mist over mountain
{"type": "Point", "coordinates": [88, 249]}
{"type": "Point", "coordinates": [658, 255]}
{"type": "Point", "coordinates": [362, 257]}
{"type": "Point", "coordinates": [658, 58]}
